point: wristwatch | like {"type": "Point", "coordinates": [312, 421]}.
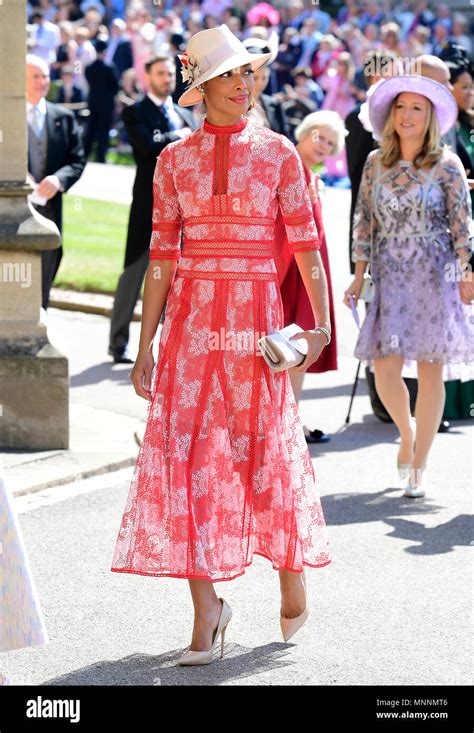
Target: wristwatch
{"type": "Point", "coordinates": [326, 333]}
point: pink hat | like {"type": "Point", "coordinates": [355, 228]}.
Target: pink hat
{"type": "Point", "coordinates": [441, 98]}
{"type": "Point", "coordinates": [263, 10]}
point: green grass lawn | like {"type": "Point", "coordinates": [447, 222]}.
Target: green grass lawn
{"type": "Point", "coordinates": [94, 236]}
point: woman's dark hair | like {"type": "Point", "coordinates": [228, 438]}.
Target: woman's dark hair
{"type": "Point", "coordinates": [457, 70]}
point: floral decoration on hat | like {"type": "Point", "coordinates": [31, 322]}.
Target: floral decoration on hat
{"type": "Point", "coordinates": [188, 67]}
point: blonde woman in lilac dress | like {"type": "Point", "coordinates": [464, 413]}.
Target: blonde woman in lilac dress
{"type": "Point", "coordinates": [414, 193]}
{"type": "Point", "coordinates": [21, 619]}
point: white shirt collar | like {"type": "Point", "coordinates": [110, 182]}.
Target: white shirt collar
{"type": "Point", "coordinates": [156, 100]}
{"type": "Point", "coordinates": [41, 106]}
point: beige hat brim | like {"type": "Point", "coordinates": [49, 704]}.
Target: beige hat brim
{"type": "Point", "coordinates": [256, 60]}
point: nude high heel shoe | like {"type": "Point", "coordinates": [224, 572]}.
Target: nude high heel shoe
{"type": "Point", "coordinates": [417, 483]}
{"type": "Point", "coordinates": [289, 626]}
{"type": "Point", "coordinates": [205, 656]}
{"type": "Point", "coordinates": [404, 469]}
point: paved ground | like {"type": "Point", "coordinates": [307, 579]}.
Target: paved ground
{"type": "Point", "coordinates": [394, 607]}
{"type": "Point", "coordinates": [105, 182]}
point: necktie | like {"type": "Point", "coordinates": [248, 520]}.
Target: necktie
{"type": "Point", "coordinates": [167, 116]}
{"type": "Point", "coordinates": [35, 121]}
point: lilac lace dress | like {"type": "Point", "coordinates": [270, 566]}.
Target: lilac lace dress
{"type": "Point", "coordinates": [421, 226]}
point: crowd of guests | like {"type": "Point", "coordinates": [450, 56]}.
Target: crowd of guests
{"type": "Point", "coordinates": [97, 51]}
{"type": "Point", "coordinates": [116, 67]}
{"type": "Point", "coordinates": [400, 140]}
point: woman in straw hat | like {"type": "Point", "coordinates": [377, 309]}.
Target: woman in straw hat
{"type": "Point", "coordinates": [412, 221]}
{"type": "Point", "coordinates": [223, 472]}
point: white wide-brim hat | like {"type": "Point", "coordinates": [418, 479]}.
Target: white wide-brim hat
{"type": "Point", "coordinates": [210, 53]}
{"type": "Point", "coordinates": [440, 97]}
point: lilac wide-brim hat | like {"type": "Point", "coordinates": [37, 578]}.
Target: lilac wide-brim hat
{"type": "Point", "coordinates": [441, 98]}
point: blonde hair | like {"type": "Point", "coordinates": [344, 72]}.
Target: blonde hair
{"type": "Point", "coordinates": [432, 147]}
{"type": "Point", "coordinates": [346, 59]}
{"type": "Point", "coordinates": [332, 40]}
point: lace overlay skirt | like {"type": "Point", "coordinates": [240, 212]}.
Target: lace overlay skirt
{"type": "Point", "coordinates": [223, 471]}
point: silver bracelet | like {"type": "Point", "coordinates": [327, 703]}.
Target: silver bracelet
{"type": "Point", "coordinates": [326, 333]}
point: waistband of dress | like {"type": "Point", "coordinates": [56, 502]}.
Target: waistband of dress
{"type": "Point", "coordinates": [253, 249]}
{"type": "Point", "coordinates": [223, 275]}
{"type": "Point", "coordinates": [403, 235]}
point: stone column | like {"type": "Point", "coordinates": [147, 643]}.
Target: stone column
{"type": "Point", "coordinates": [34, 380]}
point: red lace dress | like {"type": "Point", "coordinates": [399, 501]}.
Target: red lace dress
{"type": "Point", "coordinates": [223, 471]}
{"type": "Point", "coordinates": [296, 304]}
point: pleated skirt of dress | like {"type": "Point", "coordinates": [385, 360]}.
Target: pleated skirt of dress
{"type": "Point", "coordinates": [223, 471]}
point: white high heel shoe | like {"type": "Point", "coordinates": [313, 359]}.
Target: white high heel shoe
{"type": "Point", "coordinates": [289, 626]}
{"type": "Point", "coordinates": [416, 485]}
{"type": "Point", "coordinates": [205, 656]}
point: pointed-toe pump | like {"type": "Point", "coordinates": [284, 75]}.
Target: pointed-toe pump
{"type": "Point", "coordinates": [416, 485]}
{"type": "Point", "coordinates": [404, 469]}
{"type": "Point", "coordinates": [206, 656]}
{"type": "Point", "coordinates": [289, 626]}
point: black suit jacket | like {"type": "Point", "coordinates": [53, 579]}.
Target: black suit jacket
{"type": "Point", "coordinates": [359, 143]}
{"type": "Point", "coordinates": [103, 80]}
{"type": "Point", "coordinates": [123, 56]}
{"type": "Point", "coordinates": [148, 133]}
{"type": "Point", "coordinates": [65, 156]}
{"type": "Point", "coordinates": [274, 111]}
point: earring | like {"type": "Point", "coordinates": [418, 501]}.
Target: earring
{"type": "Point", "coordinates": [200, 89]}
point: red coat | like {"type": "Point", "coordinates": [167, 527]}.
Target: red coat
{"type": "Point", "coordinates": [296, 304]}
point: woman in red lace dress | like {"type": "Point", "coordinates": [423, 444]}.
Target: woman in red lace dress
{"type": "Point", "coordinates": [223, 472]}
{"type": "Point", "coordinates": [319, 135]}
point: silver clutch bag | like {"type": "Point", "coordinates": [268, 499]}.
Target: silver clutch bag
{"type": "Point", "coordinates": [279, 352]}
{"type": "Point", "coordinates": [368, 289]}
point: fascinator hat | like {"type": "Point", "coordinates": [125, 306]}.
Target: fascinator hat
{"type": "Point", "coordinates": [387, 90]}
{"type": "Point", "coordinates": [209, 53]}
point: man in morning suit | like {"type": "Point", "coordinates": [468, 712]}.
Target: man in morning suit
{"type": "Point", "coordinates": [151, 123]}
{"type": "Point", "coordinates": [55, 157]}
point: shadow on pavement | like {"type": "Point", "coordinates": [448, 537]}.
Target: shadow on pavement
{"type": "Point", "coordinates": [107, 371]}
{"type": "Point", "coordinates": [458, 532]}
{"type": "Point", "coordinates": [371, 431]}
{"type": "Point", "coordinates": [379, 506]}
{"type": "Point", "coordinates": [145, 669]}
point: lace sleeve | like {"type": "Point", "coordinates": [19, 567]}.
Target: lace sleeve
{"type": "Point", "coordinates": [166, 218]}
{"type": "Point", "coordinates": [361, 222]}
{"type": "Point", "coordinates": [458, 205]}
{"type": "Point", "coordinates": [295, 203]}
